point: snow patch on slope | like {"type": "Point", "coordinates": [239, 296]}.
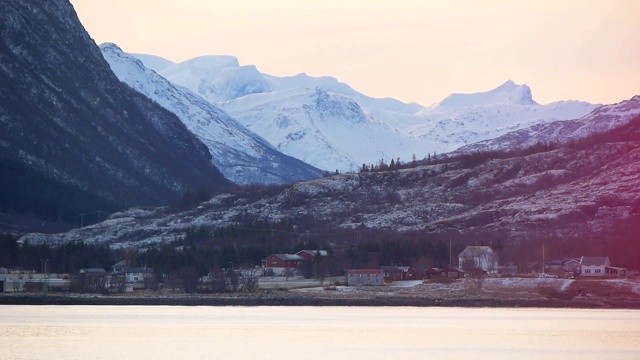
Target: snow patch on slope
{"type": "Point", "coordinates": [241, 155]}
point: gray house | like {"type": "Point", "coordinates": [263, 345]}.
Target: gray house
{"type": "Point", "coordinates": [361, 277]}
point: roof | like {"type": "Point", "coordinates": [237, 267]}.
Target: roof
{"type": "Point", "coordinates": [451, 268]}
{"type": "Point", "coordinates": [473, 251]}
{"type": "Point", "coordinates": [139, 270]}
{"type": "Point", "coordinates": [365, 272]}
{"type": "Point", "coordinates": [594, 260]}
{"type": "Point", "coordinates": [398, 268]}
{"type": "Point", "coordinates": [121, 263]}
{"type": "Point", "coordinates": [568, 260]}
{"type": "Point", "coordinates": [313, 252]}
{"type": "Point", "coordinates": [616, 268]}
{"type": "Point", "coordinates": [93, 270]}
{"type": "Point", "coordinates": [290, 257]}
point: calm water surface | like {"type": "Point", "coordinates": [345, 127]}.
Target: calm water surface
{"type": "Point", "coordinates": [174, 332]}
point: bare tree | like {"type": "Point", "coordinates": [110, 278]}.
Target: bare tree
{"type": "Point", "coordinates": [218, 281]}
{"type": "Point", "coordinates": [474, 271]}
{"type": "Point", "coordinates": [150, 282]}
{"type": "Point", "coordinates": [249, 281]}
{"type": "Point", "coordinates": [189, 277]}
{"type": "Point", "coordinates": [233, 280]}
{"type": "Point", "coordinates": [118, 283]}
{"type": "Point", "coordinates": [288, 272]}
{"type": "Point", "coordinates": [172, 282]}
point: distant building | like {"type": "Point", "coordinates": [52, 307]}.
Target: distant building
{"type": "Point", "coordinates": [595, 266]}
{"type": "Point", "coordinates": [96, 271]}
{"type": "Point", "coordinates": [362, 277]}
{"type": "Point", "coordinates": [396, 273]}
{"type": "Point", "coordinates": [566, 264]}
{"type": "Point", "coordinates": [431, 273]}
{"type": "Point", "coordinates": [136, 278]}
{"type": "Point", "coordinates": [311, 255]}
{"type": "Point", "coordinates": [119, 267]}
{"type": "Point", "coordinates": [478, 257]}
{"type": "Point", "coordinates": [571, 265]}
{"type": "Point", "coordinates": [279, 264]}
{"type": "Point", "coordinates": [451, 273]}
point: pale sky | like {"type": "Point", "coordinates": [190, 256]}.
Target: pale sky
{"type": "Point", "coordinates": [412, 50]}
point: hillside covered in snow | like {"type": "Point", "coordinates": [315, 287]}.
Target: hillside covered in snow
{"type": "Point", "coordinates": [242, 156]}
{"type": "Point", "coordinates": [584, 191]}
{"type": "Point", "coordinates": [328, 124]}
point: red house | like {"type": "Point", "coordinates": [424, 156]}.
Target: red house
{"type": "Point", "coordinates": [281, 263]}
{"type": "Point", "coordinates": [396, 273]}
{"type": "Point", "coordinates": [451, 273]}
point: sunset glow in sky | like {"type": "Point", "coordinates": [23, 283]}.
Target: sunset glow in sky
{"type": "Point", "coordinates": [412, 50]}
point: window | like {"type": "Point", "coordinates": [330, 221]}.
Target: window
{"type": "Point", "coordinates": [587, 271]}
{"type": "Point", "coordinates": [597, 271]}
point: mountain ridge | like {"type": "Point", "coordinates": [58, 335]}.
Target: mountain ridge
{"type": "Point", "coordinates": [242, 156]}
{"type": "Point", "coordinates": [411, 129]}
{"type": "Point", "coordinates": [508, 94]}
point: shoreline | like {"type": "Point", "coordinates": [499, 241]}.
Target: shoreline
{"type": "Point", "coordinates": [286, 299]}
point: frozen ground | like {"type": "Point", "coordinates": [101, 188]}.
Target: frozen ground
{"type": "Point", "coordinates": [491, 288]}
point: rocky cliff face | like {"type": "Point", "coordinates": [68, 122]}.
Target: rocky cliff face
{"type": "Point", "coordinates": [65, 114]}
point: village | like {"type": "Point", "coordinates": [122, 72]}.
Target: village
{"type": "Point", "coordinates": [478, 275]}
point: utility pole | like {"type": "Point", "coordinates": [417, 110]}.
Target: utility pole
{"type": "Point", "coordinates": [543, 263]}
{"type": "Point", "coordinates": [100, 212]}
{"type": "Point", "coordinates": [450, 258]}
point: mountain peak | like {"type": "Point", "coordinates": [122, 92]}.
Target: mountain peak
{"type": "Point", "coordinates": [212, 62]}
{"type": "Point", "coordinates": [110, 47]}
{"type": "Point", "coordinates": [509, 84]}
{"type": "Point", "coordinates": [509, 93]}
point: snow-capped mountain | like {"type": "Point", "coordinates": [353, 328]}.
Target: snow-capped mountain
{"type": "Point", "coordinates": [599, 120]}
{"type": "Point", "coordinates": [284, 112]}
{"type": "Point", "coordinates": [462, 119]}
{"type": "Point", "coordinates": [216, 78]}
{"type": "Point", "coordinates": [326, 129]}
{"type": "Point", "coordinates": [239, 154]}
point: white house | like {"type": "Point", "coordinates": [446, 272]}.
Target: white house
{"type": "Point", "coordinates": [592, 266]}
{"type": "Point", "coordinates": [479, 257]}
{"type": "Point", "coordinates": [135, 278]}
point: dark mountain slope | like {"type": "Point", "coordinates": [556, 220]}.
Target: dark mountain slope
{"type": "Point", "coordinates": [63, 113]}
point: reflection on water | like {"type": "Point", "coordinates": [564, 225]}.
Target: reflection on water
{"type": "Point", "coordinates": [164, 332]}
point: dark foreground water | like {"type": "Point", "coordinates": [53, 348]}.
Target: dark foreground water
{"type": "Point", "coordinates": [175, 332]}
